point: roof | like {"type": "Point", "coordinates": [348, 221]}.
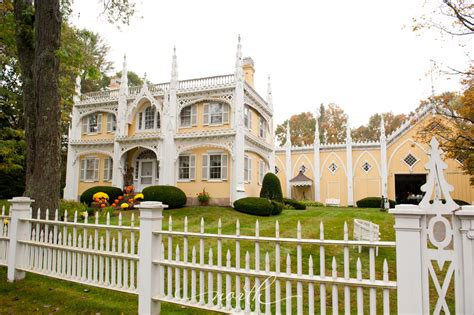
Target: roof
{"type": "Point", "coordinates": [301, 180]}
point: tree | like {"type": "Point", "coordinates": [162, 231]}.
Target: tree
{"type": "Point", "coordinates": [133, 78]}
{"type": "Point", "coordinates": [37, 37]}
{"type": "Point", "coordinates": [453, 124]}
{"type": "Point", "coordinates": [301, 129]}
{"type": "Point", "coordinates": [12, 162]}
{"type": "Point", "coordinates": [334, 123]}
{"type": "Point", "coordinates": [371, 131]}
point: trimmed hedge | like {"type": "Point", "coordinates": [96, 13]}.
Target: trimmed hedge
{"type": "Point", "coordinates": [295, 204]}
{"type": "Point", "coordinates": [373, 202]}
{"type": "Point", "coordinates": [255, 205]}
{"type": "Point", "coordinates": [271, 188]}
{"type": "Point", "coordinates": [312, 203]}
{"type": "Point", "coordinates": [277, 207]}
{"type": "Point", "coordinates": [113, 193]}
{"type": "Point", "coordinates": [168, 195]}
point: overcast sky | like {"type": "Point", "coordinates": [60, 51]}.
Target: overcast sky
{"type": "Point", "coordinates": [361, 55]}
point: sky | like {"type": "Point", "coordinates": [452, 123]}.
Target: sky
{"type": "Point", "coordinates": [361, 55]}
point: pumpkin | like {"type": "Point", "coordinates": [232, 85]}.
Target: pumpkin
{"type": "Point", "coordinates": [116, 201]}
{"type": "Point", "coordinates": [119, 197]}
{"type": "Point", "coordinates": [113, 205]}
{"type": "Point", "coordinates": [130, 200]}
{"type": "Point", "coordinates": [103, 205]}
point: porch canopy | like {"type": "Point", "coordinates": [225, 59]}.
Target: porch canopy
{"type": "Point", "coordinates": [301, 180]}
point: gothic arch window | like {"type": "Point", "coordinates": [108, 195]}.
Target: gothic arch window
{"type": "Point", "coordinates": [148, 119]}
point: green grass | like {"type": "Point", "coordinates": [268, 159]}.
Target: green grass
{"type": "Point", "coordinates": [44, 295]}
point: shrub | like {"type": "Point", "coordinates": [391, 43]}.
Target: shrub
{"type": "Point", "coordinates": [112, 192]}
{"type": "Point", "coordinates": [277, 207]}
{"type": "Point", "coordinates": [373, 202]}
{"type": "Point", "coordinates": [168, 195]}
{"type": "Point", "coordinates": [271, 188]}
{"type": "Point", "coordinates": [254, 205]}
{"type": "Point", "coordinates": [295, 204]}
{"type": "Point", "coordinates": [312, 203]}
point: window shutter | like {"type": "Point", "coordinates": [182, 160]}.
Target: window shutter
{"type": "Point", "coordinates": [85, 121]}
{"type": "Point", "coordinates": [139, 118]}
{"type": "Point", "coordinates": [193, 115]}
{"type": "Point", "coordinates": [205, 168]}
{"type": "Point", "coordinates": [83, 169]}
{"type": "Point", "coordinates": [250, 169]}
{"type": "Point", "coordinates": [192, 167]}
{"type": "Point", "coordinates": [205, 120]}
{"type": "Point", "coordinates": [224, 166]}
{"type": "Point", "coordinates": [250, 118]}
{"type": "Point", "coordinates": [99, 122]}
{"type": "Point", "coordinates": [246, 168]}
{"type": "Point", "coordinates": [225, 113]}
{"type": "Point", "coordinates": [106, 168]}
{"type": "Point", "coordinates": [96, 169]}
{"type": "Point", "coordinates": [158, 121]}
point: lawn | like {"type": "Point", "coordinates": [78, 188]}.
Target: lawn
{"type": "Point", "coordinates": [45, 295]}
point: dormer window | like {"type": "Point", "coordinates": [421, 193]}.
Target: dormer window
{"type": "Point", "coordinates": [216, 114]}
{"type": "Point", "coordinates": [148, 119]}
{"type": "Point", "coordinates": [92, 123]}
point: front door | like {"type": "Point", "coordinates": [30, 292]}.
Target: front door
{"type": "Point", "coordinates": [146, 174]}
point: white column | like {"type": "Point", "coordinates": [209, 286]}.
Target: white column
{"type": "Point", "coordinates": [117, 166]}
{"type": "Point", "coordinates": [465, 251]}
{"type": "Point", "coordinates": [350, 176]}
{"type": "Point", "coordinates": [149, 249]}
{"type": "Point", "coordinates": [18, 230]}
{"type": "Point", "coordinates": [72, 174]}
{"type": "Point", "coordinates": [409, 246]}
{"type": "Point", "coordinates": [272, 141]}
{"type": "Point", "coordinates": [316, 167]}
{"type": "Point", "coordinates": [238, 189]}
{"type": "Point", "coordinates": [383, 160]}
{"type": "Point", "coordinates": [288, 160]}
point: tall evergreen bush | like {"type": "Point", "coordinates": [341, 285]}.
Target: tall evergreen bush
{"type": "Point", "coordinates": [271, 188]}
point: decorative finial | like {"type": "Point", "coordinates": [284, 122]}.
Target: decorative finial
{"type": "Point", "coordinates": [239, 72]}
{"type": "Point", "coordinates": [316, 129]}
{"type": "Point", "coordinates": [78, 85]}
{"type": "Point", "coordinates": [348, 129]}
{"type": "Point", "coordinates": [174, 69]}
{"type": "Point", "coordinates": [382, 126]}
{"type": "Point", "coordinates": [269, 93]}
{"type": "Point", "coordinates": [124, 78]}
{"type": "Point", "coordinates": [288, 133]}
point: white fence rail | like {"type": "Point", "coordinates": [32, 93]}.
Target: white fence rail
{"type": "Point", "coordinates": [276, 274]}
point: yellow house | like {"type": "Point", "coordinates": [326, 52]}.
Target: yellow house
{"type": "Point", "coordinates": [216, 133]}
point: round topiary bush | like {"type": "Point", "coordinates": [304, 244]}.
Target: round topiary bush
{"type": "Point", "coordinates": [255, 206]}
{"type": "Point", "coordinates": [271, 188]}
{"type": "Point", "coordinates": [168, 195]}
{"type": "Point", "coordinates": [373, 202]}
{"type": "Point", "coordinates": [112, 192]}
{"type": "Point", "coordinates": [277, 207]}
{"type": "Point", "coordinates": [295, 204]}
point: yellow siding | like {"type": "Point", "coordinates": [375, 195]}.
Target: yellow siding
{"type": "Point", "coordinates": [253, 188]}
{"type": "Point", "coordinates": [199, 121]}
{"type": "Point", "coordinates": [103, 134]}
{"type": "Point", "coordinates": [333, 185]}
{"type": "Point", "coordinates": [366, 184]}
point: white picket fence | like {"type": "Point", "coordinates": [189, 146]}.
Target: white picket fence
{"type": "Point", "coordinates": [275, 274]}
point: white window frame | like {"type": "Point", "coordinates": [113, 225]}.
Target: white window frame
{"type": "Point", "coordinates": [90, 164]}
{"type": "Point", "coordinates": [108, 169]}
{"type": "Point", "coordinates": [247, 169]}
{"type": "Point", "coordinates": [141, 119]}
{"type": "Point", "coordinates": [248, 117]}
{"type": "Point", "coordinates": [86, 124]}
{"type": "Point", "coordinates": [192, 116]}
{"type": "Point", "coordinates": [191, 168]}
{"type": "Point", "coordinates": [206, 166]}
{"type": "Point", "coordinates": [224, 114]}
{"type": "Point", "coordinates": [111, 122]}
{"type": "Point", "coordinates": [262, 128]}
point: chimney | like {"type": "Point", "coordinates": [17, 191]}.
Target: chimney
{"type": "Point", "coordinates": [249, 70]}
{"type": "Point", "coordinates": [114, 83]}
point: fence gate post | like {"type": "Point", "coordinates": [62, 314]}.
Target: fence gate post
{"type": "Point", "coordinates": [409, 261]}
{"type": "Point", "coordinates": [18, 230]}
{"type": "Point", "coordinates": [466, 258]}
{"type": "Point", "coordinates": [151, 217]}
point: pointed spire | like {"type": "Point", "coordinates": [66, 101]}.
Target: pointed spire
{"type": "Point", "coordinates": [145, 82]}
{"type": "Point", "coordinates": [239, 72]}
{"type": "Point", "coordinates": [348, 129]}
{"type": "Point", "coordinates": [174, 70]}
{"type": "Point", "coordinates": [316, 129]}
{"type": "Point", "coordinates": [78, 85]}
{"type": "Point", "coordinates": [269, 93]}
{"type": "Point", "coordinates": [124, 78]}
{"type": "Point", "coordinates": [288, 134]}
{"type": "Point", "coordinates": [382, 127]}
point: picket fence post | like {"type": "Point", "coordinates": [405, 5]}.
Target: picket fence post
{"type": "Point", "coordinates": [466, 258]}
{"type": "Point", "coordinates": [409, 244]}
{"type": "Point", "coordinates": [151, 217]}
{"type": "Point", "coordinates": [18, 230]}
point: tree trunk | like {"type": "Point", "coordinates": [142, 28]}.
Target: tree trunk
{"type": "Point", "coordinates": [24, 19]}
{"type": "Point", "coordinates": [44, 186]}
